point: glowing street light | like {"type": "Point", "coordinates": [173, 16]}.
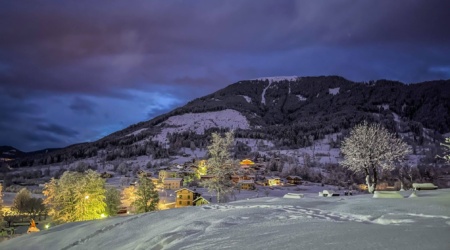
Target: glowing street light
{"type": "Point", "coordinates": [47, 226]}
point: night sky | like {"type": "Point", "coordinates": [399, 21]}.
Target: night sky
{"type": "Point", "coordinates": [75, 71]}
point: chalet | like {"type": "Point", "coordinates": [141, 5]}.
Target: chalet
{"type": "Point", "coordinates": [206, 177]}
{"type": "Point", "coordinates": [246, 163]}
{"type": "Point", "coordinates": [293, 179]}
{"type": "Point", "coordinates": [172, 183]}
{"type": "Point", "coordinates": [388, 186]}
{"type": "Point", "coordinates": [249, 177]}
{"type": "Point", "coordinates": [235, 178]}
{"type": "Point", "coordinates": [247, 184]}
{"type": "Point", "coordinates": [167, 174]}
{"type": "Point", "coordinates": [155, 181]}
{"type": "Point", "coordinates": [200, 201]}
{"type": "Point", "coordinates": [272, 181]}
{"type": "Point", "coordinates": [185, 197]}
{"type": "Point", "coordinates": [192, 168]}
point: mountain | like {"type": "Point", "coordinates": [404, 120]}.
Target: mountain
{"type": "Point", "coordinates": [353, 222]}
{"type": "Point", "coordinates": [278, 113]}
{"type": "Point", "coordinates": [8, 153]}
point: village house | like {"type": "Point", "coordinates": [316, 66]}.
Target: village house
{"type": "Point", "coordinates": [294, 180]}
{"type": "Point", "coordinates": [200, 201]}
{"type": "Point", "coordinates": [172, 183]}
{"type": "Point", "coordinates": [185, 197]}
{"type": "Point", "coordinates": [246, 184]}
{"type": "Point", "coordinates": [206, 177]}
{"type": "Point", "coordinates": [167, 174]}
{"type": "Point", "coordinates": [155, 181]}
{"type": "Point", "coordinates": [235, 178]}
{"type": "Point", "coordinates": [272, 181]}
{"type": "Point", "coordinates": [145, 173]}
{"type": "Point", "coordinates": [388, 186]}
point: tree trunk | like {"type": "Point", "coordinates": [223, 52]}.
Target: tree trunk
{"type": "Point", "coordinates": [370, 186]}
{"type": "Point", "coordinates": [371, 181]}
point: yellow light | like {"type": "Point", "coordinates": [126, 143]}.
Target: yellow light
{"type": "Point", "coordinates": [86, 197]}
{"type": "Point", "coordinates": [47, 226]}
{"type": "Point", "coordinates": [103, 216]}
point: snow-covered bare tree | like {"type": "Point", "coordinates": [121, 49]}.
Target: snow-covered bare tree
{"type": "Point", "coordinates": [446, 145]}
{"type": "Point", "coordinates": [147, 196]}
{"type": "Point", "coordinates": [220, 165]}
{"type": "Point", "coordinates": [371, 149]}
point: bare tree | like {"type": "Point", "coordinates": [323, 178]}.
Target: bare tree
{"type": "Point", "coordinates": [371, 149]}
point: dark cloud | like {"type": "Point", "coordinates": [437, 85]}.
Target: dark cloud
{"type": "Point", "coordinates": [113, 51]}
{"type": "Point", "coordinates": [82, 105]}
{"type": "Point", "coordinates": [57, 130]}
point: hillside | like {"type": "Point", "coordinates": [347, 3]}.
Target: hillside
{"type": "Point", "coordinates": [286, 113]}
{"type": "Point", "coordinates": [358, 222]}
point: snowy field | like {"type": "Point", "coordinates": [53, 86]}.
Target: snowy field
{"type": "Point", "coordinates": [349, 222]}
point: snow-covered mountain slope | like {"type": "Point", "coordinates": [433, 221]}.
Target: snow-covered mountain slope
{"type": "Point", "coordinates": [289, 112]}
{"type": "Point", "coordinates": [353, 222]}
{"type": "Point", "coordinates": [199, 122]}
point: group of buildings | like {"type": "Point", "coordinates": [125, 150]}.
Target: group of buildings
{"type": "Point", "coordinates": [175, 179]}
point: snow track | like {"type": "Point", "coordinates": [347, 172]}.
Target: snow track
{"type": "Point", "coordinates": [101, 231]}
{"type": "Point", "coordinates": [263, 95]}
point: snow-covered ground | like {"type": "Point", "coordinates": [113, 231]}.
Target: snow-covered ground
{"type": "Point", "coordinates": [301, 98]}
{"type": "Point", "coordinates": [349, 222]}
{"type": "Point", "coordinates": [248, 99]}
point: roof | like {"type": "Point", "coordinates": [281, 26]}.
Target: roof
{"type": "Point", "coordinates": [246, 162]}
{"type": "Point", "coordinates": [173, 179]}
{"type": "Point", "coordinates": [247, 181]}
{"type": "Point", "coordinates": [201, 198]}
{"type": "Point", "coordinates": [176, 191]}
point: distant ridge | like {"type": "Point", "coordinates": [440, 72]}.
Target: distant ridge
{"type": "Point", "coordinates": [290, 114]}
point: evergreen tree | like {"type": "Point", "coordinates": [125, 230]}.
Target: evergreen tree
{"type": "Point", "coordinates": [220, 165]}
{"type": "Point", "coordinates": [76, 196]}
{"type": "Point", "coordinates": [129, 197]}
{"type": "Point", "coordinates": [147, 196]}
{"type": "Point", "coordinates": [112, 199]}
